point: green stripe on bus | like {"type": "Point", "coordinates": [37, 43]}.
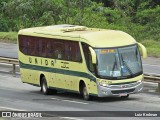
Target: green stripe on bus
{"type": "Point", "coordinates": [56, 70]}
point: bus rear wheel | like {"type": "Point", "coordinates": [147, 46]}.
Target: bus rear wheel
{"type": "Point", "coordinates": [44, 87]}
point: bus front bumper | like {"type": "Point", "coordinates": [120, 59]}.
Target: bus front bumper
{"type": "Point", "coordinates": [120, 90]}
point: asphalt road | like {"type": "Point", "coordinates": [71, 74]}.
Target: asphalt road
{"type": "Point", "coordinates": [8, 50]}
{"type": "Point", "coordinates": [15, 95]}
{"type": "Point", "coordinates": [151, 65]}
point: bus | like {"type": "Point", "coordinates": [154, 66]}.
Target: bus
{"type": "Point", "coordinates": [88, 61]}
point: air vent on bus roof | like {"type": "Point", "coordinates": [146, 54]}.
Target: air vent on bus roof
{"type": "Point", "coordinates": [75, 28]}
{"type": "Point", "coordinates": [63, 26]}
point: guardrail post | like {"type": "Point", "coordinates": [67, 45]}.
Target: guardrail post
{"type": "Point", "coordinates": [14, 69]}
{"type": "Point", "coordinates": [158, 86]}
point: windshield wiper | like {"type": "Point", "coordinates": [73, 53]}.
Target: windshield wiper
{"type": "Point", "coordinates": [114, 65]}
{"type": "Point", "coordinates": [126, 65]}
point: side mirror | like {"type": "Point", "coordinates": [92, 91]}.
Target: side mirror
{"type": "Point", "coordinates": [93, 53]}
{"type": "Point", "coordinates": [143, 49]}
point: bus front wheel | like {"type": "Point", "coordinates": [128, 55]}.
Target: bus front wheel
{"type": "Point", "coordinates": [85, 93]}
{"type": "Point", "coordinates": [125, 97]}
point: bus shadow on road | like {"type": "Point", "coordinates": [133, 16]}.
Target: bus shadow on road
{"type": "Point", "coordinates": [75, 96]}
{"type": "Point", "coordinates": [114, 99]}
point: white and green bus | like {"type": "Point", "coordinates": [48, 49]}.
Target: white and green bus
{"type": "Point", "coordinates": [88, 61]}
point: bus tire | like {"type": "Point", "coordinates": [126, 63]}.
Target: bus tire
{"type": "Point", "coordinates": [85, 93]}
{"type": "Point", "coordinates": [125, 97]}
{"type": "Point", "coordinates": [44, 87]}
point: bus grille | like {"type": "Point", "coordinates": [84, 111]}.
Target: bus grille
{"type": "Point", "coordinates": [122, 91]}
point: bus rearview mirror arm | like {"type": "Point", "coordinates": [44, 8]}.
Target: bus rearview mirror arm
{"type": "Point", "coordinates": [93, 53]}
{"type": "Point", "coordinates": [143, 49]}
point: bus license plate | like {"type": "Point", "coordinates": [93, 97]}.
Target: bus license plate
{"type": "Point", "coordinates": [122, 94]}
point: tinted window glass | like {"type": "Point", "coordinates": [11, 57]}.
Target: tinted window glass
{"type": "Point", "coordinates": [88, 57]}
{"type": "Point", "coordinates": [50, 48]}
{"type": "Point", "coordinates": [73, 51]}
{"type": "Point", "coordinates": [59, 50]}
{"type": "Point", "coordinates": [23, 44]}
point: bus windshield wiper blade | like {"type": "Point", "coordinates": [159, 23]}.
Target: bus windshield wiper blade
{"type": "Point", "coordinates": [114, 65]}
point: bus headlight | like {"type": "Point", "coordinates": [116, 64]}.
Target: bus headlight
{"type": "Point", "coordinates": [139, 81]}
{"type": "Point", "coordinates": [104, 85]}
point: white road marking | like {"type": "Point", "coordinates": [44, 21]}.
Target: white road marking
{"type": "Point", "coordinates": [70, 118]}
{"type": "Point", "coordinates": [11, 108]}
{"type": "Point", "coordinates": [152, 65]}
{"type": "Point", "coordinates": [70, 101]}
{"type": "Point", "coordinates": [75, 101]}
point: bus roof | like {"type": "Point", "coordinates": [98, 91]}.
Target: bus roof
{"type": "Point", "coordinates": [95, 37]}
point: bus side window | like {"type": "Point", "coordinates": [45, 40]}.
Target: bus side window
{"type": "Point", "coordinates": [88, 57]}
{"type": "Point", "coordinates": [50, 44]}
{"type": "Point", "coordinates": [42, 47]}
{"type": "Point", "coordinates": [67, 51]}
{"type": "Point", "coordinates": [59, 50]}
{"type": "Point", "coordinates": [72, 51]}
{"type": "Point", "coordinates": [78, 56]}
{"type": "Point", "coordinates": [29, 46]}
{"type": "Point", "coordinates": [36, 39]}
{"type": "Point", "coordinates": [23, 44]}
{"type": "Point", "coordinates": [32, 46]}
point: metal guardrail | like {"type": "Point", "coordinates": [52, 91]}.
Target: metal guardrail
{"type": "Point", "coordinates": [152, 78]}
{"type": "Point", "coordinates": [147, 77]}
{"type": "Point", "coordinates": [12, 61]}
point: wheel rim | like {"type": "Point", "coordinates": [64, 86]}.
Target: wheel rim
{"type": "Point", "coordinates": [44, 87]}
{"type": "Point", "coordinates": [85, 93]}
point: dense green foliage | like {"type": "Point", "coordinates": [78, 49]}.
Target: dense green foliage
{"type": "Point", "coordinates": [140, 18]}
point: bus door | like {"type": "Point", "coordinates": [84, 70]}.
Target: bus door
{"type": "Point", "coordinates": [73, 64]}
{"type": "Point", "coordinates": [59, 64]}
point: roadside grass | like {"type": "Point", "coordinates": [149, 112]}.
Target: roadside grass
{"type": "Point", "coordinates": [8, 37]}
{"type": "Point", "coordinates": [153, 47]}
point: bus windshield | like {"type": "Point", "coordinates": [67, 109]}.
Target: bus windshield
{"type": "Point", "coordinates": [119, 63]}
